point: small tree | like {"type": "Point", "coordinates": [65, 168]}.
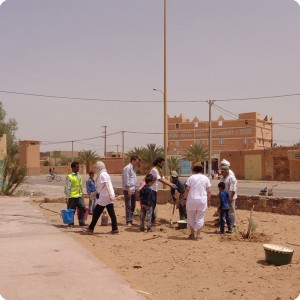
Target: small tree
{"type": "Point", "coordinates": [88, 158]}
{"type": "Point", "coordinates": [13, 171]}
{"type": "Point", "coordinates": [14, 174]}
{"type": "Point", "coordinates": [173, 164]}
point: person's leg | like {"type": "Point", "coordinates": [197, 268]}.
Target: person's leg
{"type": "Point", "coordinates": [111, 212]}
{"type": "Point", "coordinates": [154, 207]}
{"type": "Point", "coordinates": [191, 221]}
{"type": "Point", "coordinates": [132, 204]}
{"type": "Point", "coordinates": [232, 213]}
{"type": "Point", "coordinates": [90, 204]}
{"type": "Point", "coordinates": [142, 218]}
{"type": "Point", "coordinates": [199, 222]}
{"type": "Point", "coordinates": [96, 215]}
{"type": "Point", "coordinates": [228, 221]}
{"type": "Point", "coordinates": [127, 200]}
{"type": "Point", "coordinates": [149, 217]}
{"type": "Point", "coordinates": [222, 221]}
{"type": "Point", "coordinates": [82, 210]}
{"type": "Point", "coordinates": [71, 205]}
{"type": "Point", "coordinates": [182, 212]}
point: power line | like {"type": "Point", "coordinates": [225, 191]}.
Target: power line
{"type": "Point", "coordinates": [146, 101]}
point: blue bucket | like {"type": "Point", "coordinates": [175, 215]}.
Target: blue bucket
{"type": "Point", "coordinates": [68, 216]}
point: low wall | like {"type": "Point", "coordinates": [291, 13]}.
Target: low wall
{"type": "Point", "coordinates": [285, 206]}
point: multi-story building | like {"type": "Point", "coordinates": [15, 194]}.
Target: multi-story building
{"type": "Point", "coordinates": [249, 132]}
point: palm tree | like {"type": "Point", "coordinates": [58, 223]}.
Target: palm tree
{"type": "Point", "coordinates": [135, 151]}
{"type": "Point", "coordinates": [196, 154]}
{"type": "Point", "coordinates": [150, 153]}
{"type": "Point", "coordinates": [88, 158]}
{"type": "Point", "coordinates": [147, 155]}
{"type": "Point", "coordinates": [173, 164]}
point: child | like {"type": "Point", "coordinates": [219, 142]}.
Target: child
{"type": "Point", "coordinates": [147, 201]}
{"type": "Point", "coordinates": [224, 209]}
{"type": "Point", "coordinates": [91, 190]}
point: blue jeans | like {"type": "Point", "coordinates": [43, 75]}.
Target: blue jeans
{"type": "Point", "coordinates": [146, 213]}
{"type": "Point", "coordinates": [129, 206]}
{"type": "Point", "coordinates": [224, 215]}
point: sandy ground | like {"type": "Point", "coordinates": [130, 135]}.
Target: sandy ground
{"type": "Point", "coordinates": [165, 264]}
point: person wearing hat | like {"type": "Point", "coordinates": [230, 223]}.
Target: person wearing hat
{"type": "Point", "coordinates": [226, 163]}
{"type": "Point", "coordinates": [180, 183]}
{"type": "Point", "coordinates": [231, 187]}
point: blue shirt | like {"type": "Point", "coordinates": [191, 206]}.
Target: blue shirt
{"type": "Point", "coordinates": [90, 186]}
{"type": "Point", "coordinates": [224, 200]}
{"type": "Point", "coordinates": [147, 196]}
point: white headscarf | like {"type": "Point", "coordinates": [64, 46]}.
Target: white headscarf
{"type": "Point", "coordinates": [100, 166]}
{"type": "Point", "coordinates": [225, 162]}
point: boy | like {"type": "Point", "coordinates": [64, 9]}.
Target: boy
{"type": "Point", "coordinates": [147, 201]}
{"type": "Point", "coordinates": [91, 190]}
{"type": "Point", "coordinates": [224, 209]}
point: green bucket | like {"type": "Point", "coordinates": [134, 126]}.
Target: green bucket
{"type": "Point", "coordinates": [278, 255]}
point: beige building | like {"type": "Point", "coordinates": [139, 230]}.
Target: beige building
{"type": "Point", "coordinates": [249, 132]}
{"type": "Point", "coordinates": [30, 156]}
{"type": "Point", "coordinates": [277, 163]}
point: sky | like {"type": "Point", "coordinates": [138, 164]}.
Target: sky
{"type": "Point", "coordinates": [102, 50]}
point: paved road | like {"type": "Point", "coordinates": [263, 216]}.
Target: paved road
{"type": "Point", "coordinates": [245, 187]}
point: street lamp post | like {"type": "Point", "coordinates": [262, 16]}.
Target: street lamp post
{"type": "Point", "coordinates": [165, 128]}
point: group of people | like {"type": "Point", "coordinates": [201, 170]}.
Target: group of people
{"type": "Point", "coordinates": [194, 196]}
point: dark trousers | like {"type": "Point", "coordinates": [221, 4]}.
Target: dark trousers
{"type": "Point", "coordinates": [182, 211]}
{"type": "Point", "coordinates": [74, 203]}
{"type": "Point", "coordinates": [154, 206]}
{"type": "Point", "coordinates": [129, 206]}
{"type": "Point", "coordinates": [97, 213]}
{"type": "Point", "coordinates": [224, 215]}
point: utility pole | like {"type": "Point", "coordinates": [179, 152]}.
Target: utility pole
{"type": "Point", "coordinates": [72, 150]}
{"type": "Point", "coordinates": [165, 89]}
{"type": "Point", "coordinates": [117, 150]}
{"type": "Point", "coordinates": [210, 103]}
{"type": "Point", "coordinates": [104, 140]}
{"type": "Point", "coordinates": [123, 147]}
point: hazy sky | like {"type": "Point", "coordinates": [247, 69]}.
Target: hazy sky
{"type": "Point", "coordinates": [113, 50]}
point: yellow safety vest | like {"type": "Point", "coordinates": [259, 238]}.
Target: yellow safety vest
{"type": "Point", "coordinates": [76, 186]}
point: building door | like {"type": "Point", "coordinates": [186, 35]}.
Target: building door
{"type": "Point", "coordinates": [253, 167]}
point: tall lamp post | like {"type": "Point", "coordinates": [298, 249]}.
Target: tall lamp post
{"type": "Point", "coordinates": [164, 93]}
{"type": "Point", "coordinates": [165, 128]}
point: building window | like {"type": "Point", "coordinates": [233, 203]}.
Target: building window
{"type": "Point", "coordinates": [177, 143]}
{"type": "Point", "coordinates": [221, 141]}
{"type": "Point", "coordinates": [196, 125]}
{"type": "Point", "coordinates": [197, 143]}
{"type": "Point", "coordinates": [177, 126]}
{"type": "Point", "coordinates": [220, 123]}
{"type": "Point", "coordinates": [245, 141]}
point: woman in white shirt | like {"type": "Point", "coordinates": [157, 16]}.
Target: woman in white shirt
{"type": "Point", "coordinates": [196, 196]}
{"type": "Point", "coordinates": [105, 199]}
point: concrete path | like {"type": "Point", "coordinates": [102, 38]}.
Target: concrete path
{"type": "Point", "coordinates": [38, 261]}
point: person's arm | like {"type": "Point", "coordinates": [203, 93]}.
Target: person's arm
{"type": "Point", "coordinates": [88, 190]}
{"type": "Point", "coordinates": [208, 196]}
{"type": "Point", "coordinates": [186, 193]}
{"type": "Point", "coordinates": [166, 182]}
{"type": "Point", "coordinates": [68, 187]}
{"type": "Point", "coordinates": [108, 190]}
{"type": "Point", "coordinates": [126, 181]}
